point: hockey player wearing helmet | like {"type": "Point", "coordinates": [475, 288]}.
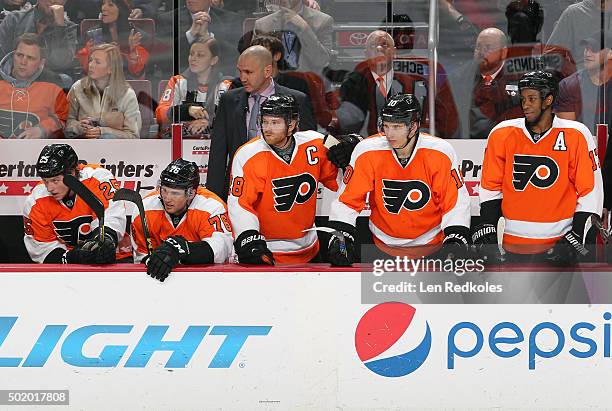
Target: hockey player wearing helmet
{"type": "Point", "coordinates": [273, 190]}
{"type": "Point", "coordinates": [59, 226]}
{"type": "Point", "coordinates": [417, 198]}
{"type": "Point", "coordinates": [187, 223]}
{"type": "Point", "coordinates": [542, 174]}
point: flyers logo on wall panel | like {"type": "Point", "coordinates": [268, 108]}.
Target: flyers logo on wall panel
{"type": "Point", "coordinates": [136, 164]}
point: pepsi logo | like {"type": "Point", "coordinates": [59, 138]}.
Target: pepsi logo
{"type": "Point", "coordinates": [380, 328]}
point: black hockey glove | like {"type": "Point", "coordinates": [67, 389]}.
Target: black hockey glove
{"type": "Point", "coordinates": [251, 248]}
{"type": "Point", "coordinates": [339, 254]}
{"type": "Point", "coordinates": [455, 245]}
{"type": "Point", "coordinates": [167, 256]}
{"type": "Point", "coordinates": [78, 256]}
{"type": "Point", "coordinates": [485, 243]}
{"type": "Point", "coordinates": [104, 252]}
{"type": "Point", "coordinates": [340, 154]}
{"type": "Point", "coordinates": [567, 251]}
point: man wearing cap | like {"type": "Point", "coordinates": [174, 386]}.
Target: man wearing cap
{"type": "Point", "coordinates": [586, 96]}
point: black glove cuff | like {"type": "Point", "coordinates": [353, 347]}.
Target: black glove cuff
{"type": "Point", "coordinates": [456, 238]}
{"type": "Point", "coordinates": [247, 238]}
{"type": "Point", "coordinates": [349, 231]}
{"type": "Point", "coordinates": [179, 244]}
{"type": "Point", "coordinates": [573, 239]}
{"type": "Point", "coordinates": [56, 256]}
{"type": "Point", "coordinates": [484, 234]}
{"type": "Point", "coordinates": [200, 252]}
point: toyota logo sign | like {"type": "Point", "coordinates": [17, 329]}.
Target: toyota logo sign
{"type": "Point", "coordinates": [358, 38]}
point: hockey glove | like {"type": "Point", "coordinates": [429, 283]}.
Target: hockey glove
{"type": "Point", "coordinates": [78, 256]}
{"type": "Point", "coordinates": [340, 154]}
{"type": "Point", "coordinates": [165, 257]}
{"type": "Point", "coordinates": [104, 252]}
{"type": "Point", "coordinates": [339, 254]}
{"type": "Point", "coordinates": [485, 242]}
{"type": "Point", "coordinates": [251, 248]}
{"type": "Point", "coordinates": [455, 244]}
{"type": "Point", "coordinates": [567, 251]}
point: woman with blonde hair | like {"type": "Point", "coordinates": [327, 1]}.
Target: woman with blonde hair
{"type": "Point", "coordinates": [102, 104]}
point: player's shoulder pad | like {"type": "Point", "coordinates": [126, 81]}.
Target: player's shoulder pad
{"type": "Point", "coordinates": [376, 142]}
{"type": "Point", "coordinates": [208, 201]}
{"type": "Point", "coordinates": [39, 191]}
{"type": "Point", "coordinates": [96, 171]}
{"type": "Point", "coordinates": [430, 142]}
{"type": "Point", "coordinates": [250, 149]}
{"type": "Point", "coordinates": [307, 136]}
{"type": "Point", "coordinates": [498, 130]}
{"type": "Point", "coordinates": [576, 125]}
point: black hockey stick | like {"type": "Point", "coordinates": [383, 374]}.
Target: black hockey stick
{"type": "Point", "coordinates": [125, 194]}
{"type": "Point", "coordinates": [90, 199]}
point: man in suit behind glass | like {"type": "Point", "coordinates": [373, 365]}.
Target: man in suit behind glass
{"type": "Point", "coordinates": [236, 118]}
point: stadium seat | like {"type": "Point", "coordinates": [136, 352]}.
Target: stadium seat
{"type": "Point", "coordinates": [143, 90]}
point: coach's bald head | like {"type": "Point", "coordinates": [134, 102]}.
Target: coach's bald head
{"type": "Point", "coordinates": [255, 68]}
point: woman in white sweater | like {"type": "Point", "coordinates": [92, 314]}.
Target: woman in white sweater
{"type": "Point", "coordinates": [102, 104]}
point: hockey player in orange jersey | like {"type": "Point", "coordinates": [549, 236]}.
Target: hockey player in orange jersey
{"type": "Point", "coordinates": [187, 223]}
{"type": "Point", "coordinates": [418, 200]}
{"type": "Point", "coordinates": [59, 226]}
{"type": "Point", "coordinates": [541, 173]}
{"type": "Point", "coordinates": [273, 191]}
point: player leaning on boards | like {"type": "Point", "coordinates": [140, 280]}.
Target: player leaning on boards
{"type": "Point", "coordinates": [273, 191]}
{"type": "Point", "coordinates": [541, 173]}
{"type": "Point", "coordinates": [187, 223]}
{"type": "Point", "coordinates": [418, 200]}
{"type": "Point", "coordinates": [59, 226]}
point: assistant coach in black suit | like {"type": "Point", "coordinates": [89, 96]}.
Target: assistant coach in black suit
{"type": "Point", "coordinates": [235, 121]}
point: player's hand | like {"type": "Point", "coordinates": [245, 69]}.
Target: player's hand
{"type": "Point", "coordinates": [455, 246]}
{"type": "Point", "coordinates": [32, 132]}
{"type": "Point", "coordinates": [340, 154]}
{"type": "Point", "coordinates": [134, 39]}
{"type": "Point", "coordinates": [567, 251]}
{"type": "Point", "coordinates": [251, 248]}
{"type": "Point", "coordinates": [163, 259]}
{"type": "Point", "coordinates": [79, 256]}
{"type": "Point", "coordinates": [104, 252]}
{"type": "Point", "coordinates": [58, 14]}
{"type": "Point", "coordinates": [197, 112]}
{"type": "Point", "coordinates": [338, 254]}
{"type": "Point", "coordinates": [485, 242]}
{"type": "Point", "coordinates": [136, 13]}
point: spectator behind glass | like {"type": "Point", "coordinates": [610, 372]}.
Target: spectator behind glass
{"type": "Point", "coordinates": [196, 92]}
{"type": "Point", "coordinates": [527, 53]}
{"type": "Point", "coordinates": [576, 23]}
{"type": "Point", "coordinates": [102, 104]}
{"type": "Point", "coordinates": [116, 29]}
{"type": "Point", "coordinates": [586, 96]}
{"type": "Point", "coordinates": [32, 101]}
{"type": "Point", "coordinates": [47, 20]}
{"type": "Point", "coordinates": [306, 34]}
{"type": "Point", "coordinates": [6, 6]}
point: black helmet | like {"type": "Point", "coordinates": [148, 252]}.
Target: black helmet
{"type": "Point", "coordinates": [543, 81]}
{"type": "Point", "coordinates": [529, 8]}
{"type": "Point", "coordinates": [280, 105]}
{"type": "Point", "coordinates": [400, 108]}
{"type": "Point", "coordinates": [181, 174]}
{"type": "Point", "coordinates": [56, 159]}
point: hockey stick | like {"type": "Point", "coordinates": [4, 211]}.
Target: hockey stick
{"type": "Point", "coordinates": [90, 199]}
{"type": "Point", "coordinates": [133, 197]}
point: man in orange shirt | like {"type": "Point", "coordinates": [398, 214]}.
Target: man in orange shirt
{"type": "Point", "coordinates": [187, 223]}
{"type": "Point", "coordinates": [542, 174]}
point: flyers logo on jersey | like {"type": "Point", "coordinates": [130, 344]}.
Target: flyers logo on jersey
{"type": "Point", "coordinates": [412, 195]}
{"type": "Point", "coordinates": [294, 189]}
{"type": "Point", "coordinates": [540, 171]}
{"type": "Point", "coordinates": [75, 231]}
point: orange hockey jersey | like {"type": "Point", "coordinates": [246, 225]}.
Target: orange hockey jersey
{"type": "Point", "coordinates": [49, 224]}
{"type": "Point", "coordinates": [279, 199]}
{"type": "Point", "coordinates": [541, 184]}
{"type": "Point", "coordinates": [205, 220]}
{"type": "Point", "coordinates": [411, 205]}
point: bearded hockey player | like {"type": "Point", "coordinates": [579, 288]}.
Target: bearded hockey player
{"type": "Point", "coordinates": [541, 173]}
{"type": "Point", "coordinates": [187, 223]}
{"type": "Point", "coordinates": [59, 226]}
{"type": "Point", "coordinates": [273, 193]}
{"type": "Point", "coordinates": [418, 200]}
